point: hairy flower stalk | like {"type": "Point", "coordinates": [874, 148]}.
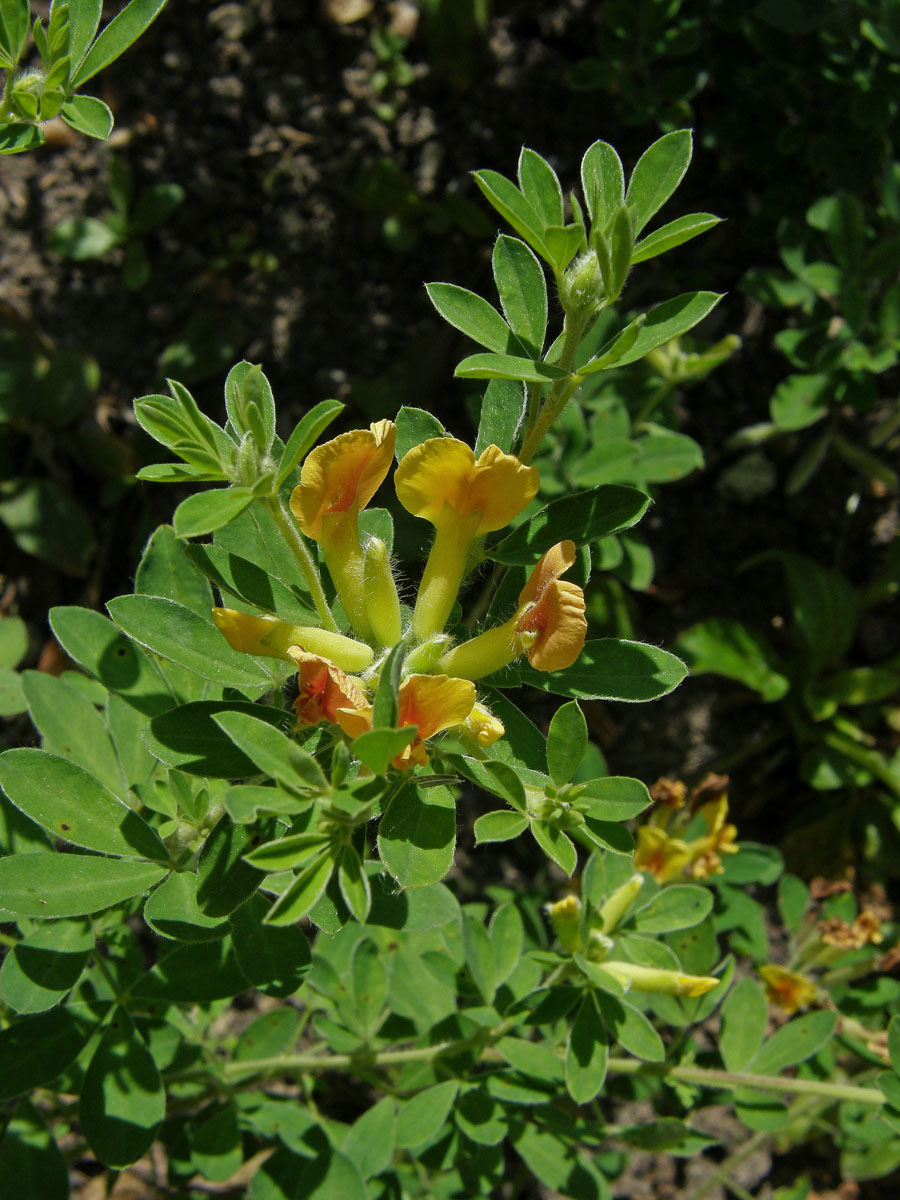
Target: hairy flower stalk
{"type": "Point", "coordinates": [441, 481]}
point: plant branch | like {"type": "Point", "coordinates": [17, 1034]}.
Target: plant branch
{"type": "Point", "coordinates": [291, 535]}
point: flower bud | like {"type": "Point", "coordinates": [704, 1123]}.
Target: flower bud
{"type": "Point", "coordinates": [566, 917]}
{"type": "Point", "coordinates": [382, 601]}
{"type": "Point", "coordinates": [619, 903]}
{"type": "Point", "coordinates": [582, 287]}
{"type": "Point", "coordinates": [657, 979]}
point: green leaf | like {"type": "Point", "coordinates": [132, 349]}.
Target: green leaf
{"type": "Point", "coordinates": [499, 826]}
{"type": "Point", "coordinates": [216, 1146]}
{"type": "Point", "coordinates": [37, 1049]}
{"type": "Point", "coordinates": [181, 636]}
{"type": "Point", "coordinates": [116, 37]}
{"type": "Point", "coordinates": [893, 1042]}
{"type": "Point", "coordinates": [629, 1028]}
{"type": "Point", "coordinates": [421, 1118]}
{"type": "Point", "coordinates": [556, 845]}
{"type": "Point", "coordinates": [83, 20]}
{"type": "Point", "coordinates": [224, 878]}
{"type": "Point", "coordinates": [71, 727]}
{"type": "Point", "coordinates": [674, 234]}
{"type": "Point", "coordinates": [204, 512]}
{"type": "Point", "coordinates": [48, 522]}
{"type": "Point", "coordinates": [514, 208]}
{"type": "Point", "coordinates": [370, 1140]}
{"type": "Point", "coordinates": [290, 853]}
{"type": "Point", "coordinates": [607, 669]}
{"type": "Point", "coordinates": [620, 239]}
{"type": "Point", "coordinates": [88, 115]}
{"type": "Point", "coordinates": [331, 1176]}
{"type": "Point", "coordinates": [801, 400]}
{"type": "Point", "coordinates": [567, 740]}
{"type": "Point", "coordinates": [18, 137]}
{"type": "Point", "coordinates": [502, 411]}
{"type": "Point", "coordinates": [83, 238]}
{"type": "Point", "coordinates": [30, 1156]}
{"type": "Point", "coordinates": [12, 698]}
{"type": "Point", "coordinates": [793, 1043]}
{"type": "Point", "coordinates": [582, 518]}
{"type": "Point", "coordinates": [471, 315]}
{"type": "Point", "coordinates": [305, 433]}
{"type": "Point", "coordinates": [40, 970]}
{"type": "Point", "coordinates": [614, 798]}
{"type": "Point", "coordinates": [295, 903]}
{"type": "Point", "coordinates": [743, 1024]}
{"type": "Point", "coordinates": [609, 354]}
{"type": "Point", "coordinates": [523, 293]}
{"type": "Point", "coordinates": [753, 863]}
{"type": "Point", "coordinates": [587, 1053]}
{"type": "Point", "coordinates": [507, 366]}
{"type": "Point", "coordinates": [414, 426]}
{"type": "Point", "coordinates": [189, 739]}
{"type": "Point", "coordinates": [385, 705]}
{"type": "Point", "coordinates": [250, 404]}
{"type": "Point", "coordinates": [172, 911]}
{"type": "Point", "coordinates": [275, 959]}
{"type": "Point", "coordinates": [354, 883]}
{"type": "Point", "coordinates": [670, 320]}
{"type": "Point", "coordinates": [793, 901]}
{"type": "Point", "coordinates": [377, 747]}
{"type": "Point", "coordinates": [14, 21]}
{"type": "Point", "coordinates": [540, 187]}
{"type": "Point", "coordinates": [272, 751]}
{"type": "Point", "coordinates": [243, 579]}
{"type": "Point", "coordinates": [666, 456]}
{"type": "Point", "coordinates": [166, 569]}
{"type": "Point", "coordinates": [71, 804]}
{"type": "Point", "coordinates": [824, 606]}
{"type": "Point", "coordinates": [603, 182]}
{"type": "Point", "coordinates": [681, 906]}
{"type": "Point", "coordinates": [657, 174]}
{"type": "Point", "coordinates": [479, 953]}
{"type": "Point", "coordinates": [194, 973]}
{"type": "Point", "coordinates": [94, 642]}
{"type": "Point", "coordinates": [723, 646]}
{"type": "Point", "coordinates": [46, 884]}
{"type": "Point", "coordinates": [122, 1100]}
{"type": "Point", "coordinates": [417, 836]}
{"type": "Point", "coordinates": [13, 641]}
{"type": "Point", "coordinates": [507, 932]}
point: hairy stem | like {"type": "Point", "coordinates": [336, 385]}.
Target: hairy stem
{"type": "Point", "coordinates": [291, 535]}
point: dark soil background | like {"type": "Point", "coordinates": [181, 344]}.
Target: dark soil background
{"type": "Point", "coordinates": [267, 114]}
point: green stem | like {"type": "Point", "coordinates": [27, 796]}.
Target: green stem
{"type": "Point", "coordinates": [573, 331]}
{"type": "Point", "coordinates": [710, 1077]}
{"type": "Point", "coordinates": [291, 535]}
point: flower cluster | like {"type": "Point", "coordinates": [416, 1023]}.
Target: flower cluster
{"type": "Point", "coordinates": [664, 847]}
{"type": "Point", "coordinates": [464, 498]}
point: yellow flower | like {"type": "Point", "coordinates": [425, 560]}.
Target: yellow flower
{"type": "Point", "coordinates": [656, 979]}
{"type": "Point", "coordinates": [722, 839]}
{"type": "Point", "coordinates": [431, 702]}
{"type": "Point", "coordinates": [788, 989]}
{"type": "Point", "coordinates": [337, 481]}
{"type": "Point", "coordinates": [549, 625]}
{"type": "Point", "coordinates": [484, 727]}
{"type": "Point", "coordinates": [323, 689]}
{"type": "Point", "coordinates": [663, 856]}
{"type": "Point", "coordinates": [269, 637]}
{"type": "Point", "coordinates": [441, 481]}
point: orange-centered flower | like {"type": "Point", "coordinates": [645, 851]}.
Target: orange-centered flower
{"type": "Point", "coordinates": [337, 481]}
{"type": "Point", "coordinates": [441, 481]}
{"type": "Point", "coordinates": [549, 626]}
{"type": "Point", "coordinates": [431, 702]}
{"type": "Point", "coordinates": [271, 638]}
{"type": "Point", "coordinates": [788, 989]}
{"type": "Point", "coordinates": [323, 689]}
{"type": "Point", "coordinates": [664, 857]}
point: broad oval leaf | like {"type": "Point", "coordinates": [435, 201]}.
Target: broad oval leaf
{"type": "Point", "coordinates": [46, 884]}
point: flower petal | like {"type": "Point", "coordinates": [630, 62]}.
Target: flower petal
{"type": "Point", "coordinates": [324, 688]}
{"type": "Point", "coordinates": [435, 702]}
{"type": "Point", "coordinates": [560, 624]}
{"type": "Point", "coordinates": [444, 471]}
{"type": "Point", "coordinates": [342, 474]}
{"type": "Point", "coordinates": [553, 563]}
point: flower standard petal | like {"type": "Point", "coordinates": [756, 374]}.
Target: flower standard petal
{"type": "Point", "coordinates": [441, 481]}
{"type": "Point", "coordinates": [337, 480]}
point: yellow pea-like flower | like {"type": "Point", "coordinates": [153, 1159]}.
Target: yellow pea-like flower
{"type": "Point", "coordinates": [549, 625]}
{"type": "Point", "coordinates": [337, 481]}
{"type": "Point", "coordinates": [441, 481]}
{"type": "Point", "coordinates": [431, 702]}
{"type": "Point", "coordinates": [323, 688]}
